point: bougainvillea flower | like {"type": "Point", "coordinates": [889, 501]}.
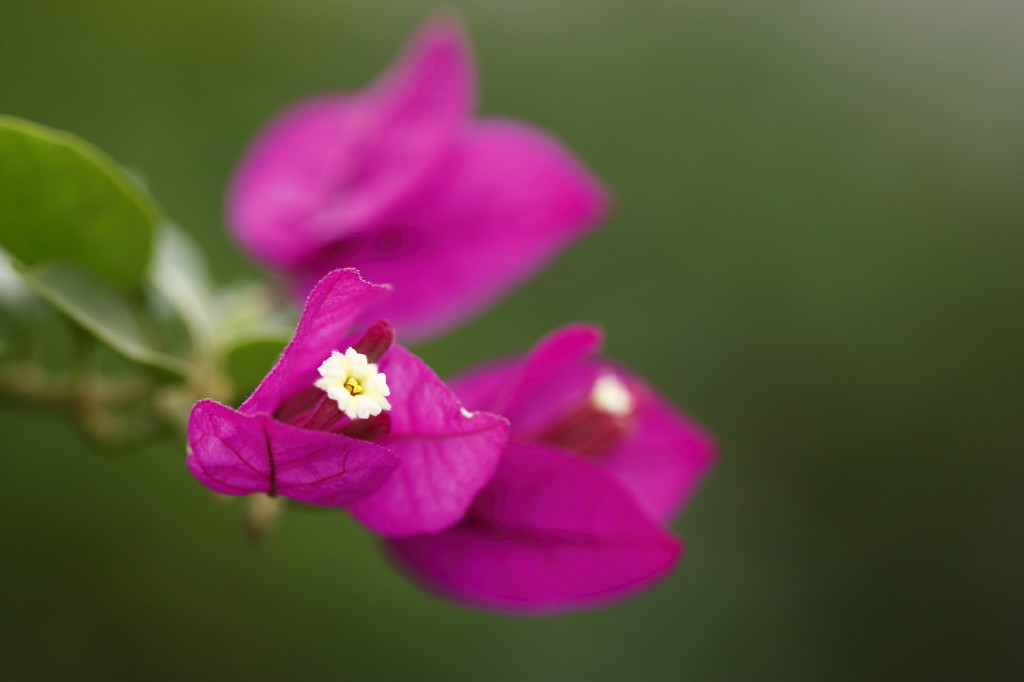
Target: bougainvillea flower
{"type": "Point", "coordinates": [575, 516]}
{"type": "Point", "coordinates": [350, 420]}
{"type": "Point", "coordinates": [400, 181]}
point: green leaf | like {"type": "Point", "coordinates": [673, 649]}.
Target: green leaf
{"type": "Point", "coordinates": [237, 325]}
{"type": "Point", "coordinates": [247, 314]}
{"type": "Point", "coordinates": [100, 309]}
{"type": "Point", "coordinates": [248, 362]}
{"type": "Point", "coordinates": [252, 334]}
{"type": "Point", "coordinates": [178, 273]}
{"type": "Point", "coordinates": [63, 199]}
{"type": "Point", "coordinates": [13, 292]}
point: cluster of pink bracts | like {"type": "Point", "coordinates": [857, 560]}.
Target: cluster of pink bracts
{"type": "Point", "coordinates": [539, 484]}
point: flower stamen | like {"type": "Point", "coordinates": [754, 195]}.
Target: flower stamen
{"type": "Point", "coordinates": [355, 384]}
{"type": "Point", "coordinates": [611, 396]}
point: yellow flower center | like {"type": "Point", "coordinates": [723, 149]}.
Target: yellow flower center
{"type": "Point", "coordinates": [353, 386]}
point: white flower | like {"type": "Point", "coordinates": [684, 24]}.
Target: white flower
{"type": "Point", "coordinates": [611, 396]}
{"type": "Point", "coordinates": [355, 384]}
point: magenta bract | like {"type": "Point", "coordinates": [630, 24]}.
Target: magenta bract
{"type": "Point", "coordinates": [576, 514]}
{"type": "Point", "coordinates": [400, 181]}
{"type": "Point", "coordinates": [413, 469]}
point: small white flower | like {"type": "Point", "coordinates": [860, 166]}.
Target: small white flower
{"type": "Point", "coordinates": [610, 395]}
{"type": "Point", "coordinates": [355, 384]}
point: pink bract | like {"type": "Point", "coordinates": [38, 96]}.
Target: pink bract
{"type": "Point", "coordinates": [415, 469]}
{"type": "Point", "coordinates": [576, 514]}
{"type": "Point", "coordinates": [400, 181]}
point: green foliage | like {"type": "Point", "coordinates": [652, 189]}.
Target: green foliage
{"type": "Point", "coordinates": [179, 275]}
{"type": "Point", "coordinates": [252, 332]}
{"type": "Point", "coordinates": [247, 363]}
{"type": "Point", "coordinates": [235, 329]}
{"type": "Point", "coordinates": [101, 309]}
{"type": "Point", "coordinates": [62, 199]}
{"type": "Point", "coordinates": [90, 242]}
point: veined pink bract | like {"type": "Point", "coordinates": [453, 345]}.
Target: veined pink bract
{"type": "Point", "coordinates": [414, 468]}
{"type": "Point", "coordinates": [575, 515]}
{"type": "Point", "coordinates": [400, 181]}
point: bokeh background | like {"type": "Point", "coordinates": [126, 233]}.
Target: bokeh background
{"type": "Point", "coordinates": [816, 250]}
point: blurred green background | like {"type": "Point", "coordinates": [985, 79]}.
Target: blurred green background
{"type": "Point", "coordinates": [816, 250]}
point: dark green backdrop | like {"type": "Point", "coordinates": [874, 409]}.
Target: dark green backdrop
{"type": "Point", "coordinates": [816, 249]}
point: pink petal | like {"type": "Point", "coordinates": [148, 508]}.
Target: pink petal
{"type": "Point", "coordinates": [333, 166]}
{"type": "Point", "coordinates": [283, 197]}
{"type": "Point", "coordinates": [238, 454]}
{"type": "Point", "coordinates": [433, 80]}
{"type": "Point", "coordinates": [559, 349]}
{"type": "Point", "coordinates": [511, 201]}
{"type": "Point", "coordinates": [664, 458]}
{"type": "Point", "coordinates": [661, 461]}
{"type": "Point", "coordinates": [486, 387]}
{"type": "Point", "coordinates": [446, 456]}
{"type": "Point", "coordinates": [535, 388]}
{"type": "Point", "coordinates": [331, 308]}
{"type": "Point", "coordinates": [550, 533]}
{"type": "Point", "coordinates": [422, 103]}
{"type": "Point", "coordinates": [553, 355]}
